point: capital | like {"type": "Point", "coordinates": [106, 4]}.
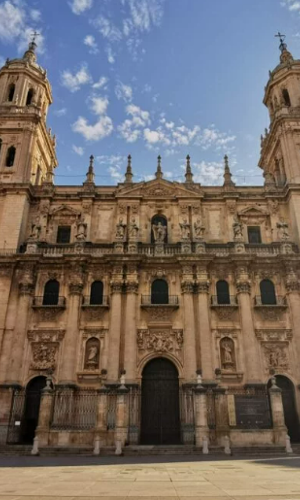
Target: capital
{"type": "Point", "coordinates": [202, 286]}
{"type": "Point", "coordinates": [132, 287]}
{"type": "Point", "coordinates": [243, 287]}
{"type": "Point", "coordinates": [187, 287]}
{"type": "Point", "coordinates": [26, 288]}
{"type": "Point", "coordinates": [116, 286]}
{"type": "Point", "coordinates": [75, 288]}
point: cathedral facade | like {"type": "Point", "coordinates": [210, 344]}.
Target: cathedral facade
{"type": "Point", "coordinates": [147, 313]}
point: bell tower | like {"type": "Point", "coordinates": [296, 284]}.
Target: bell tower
{"type": "Point", "coordinates": [27, 147]}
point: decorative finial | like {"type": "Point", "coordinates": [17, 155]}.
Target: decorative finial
{"type": "Point", "coordinates": [158, 173]}
{"type": "Point", "coordinates": [128, 175]}
{"type": "Point", "coordinates": [90, 176]}
{"type": "Point", "coordinates": [285, 56]}
{"type": "Point", "coordinates": [188, 171]}
{"type": "Point", "coordinates": [228, 182]}
{"type": "Point", "coordinates": [30, 55]}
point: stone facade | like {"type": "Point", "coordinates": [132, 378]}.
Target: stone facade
{"type": "Point", "coordinates": [64, 247]}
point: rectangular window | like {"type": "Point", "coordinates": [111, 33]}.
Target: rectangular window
{"type": "Point", "coordinates": [63, 234]}
{"type": "Point", "coordinates": [254, 235]}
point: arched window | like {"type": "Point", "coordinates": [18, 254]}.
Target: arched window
{"type": "Point", "coordinates": [10, 157]}
{"type": "Point", "coordinates": [267, 292]}
{"type": "Point", "coordinates": [159, 292]}
{"type": "Point", "coordinates": [286, 97]}
{"type": "Point", "coordinates": [29, 98]}
{"type": "Point", "coordinates": [223, 292]}
{"type": "Point", "coordinates": [11, 92]}
{"type": "Point", "coordinates": [158, 234]}
{"type": "Point", "coordinates": [96, 297]}
{"type": "Point", "coordinates": [51, 293]}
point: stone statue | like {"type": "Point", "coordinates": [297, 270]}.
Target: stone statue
{"type": "Point", "coordinates": [199, 230]}
{"type": "Point", "coordinates": [283, 231]}
{"type": "Point", "coordinates": [159, 232]}
{"type": "Point", "coordinates": [120, 231]}
{"type": "Point", "coordinates": [92, 356]}
{"type": "Point", "coordinates": [35, 229]}
{"type": "Point", "coordinates": [133, 229]}
{"type": "Point", "coordinates": [237, 230]}
{"type": "Point", "coordinates": [227, 356]}
{"type": "Point", "coordinates": [185, 230]}
{"type": "Point", "coordinates": [81, 230]}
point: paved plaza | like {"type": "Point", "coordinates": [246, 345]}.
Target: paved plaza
{"type": "Point", "coordinates": [84, 478]}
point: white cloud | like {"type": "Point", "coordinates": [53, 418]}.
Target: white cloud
{"type": "Point", "coordinates": [101, 83]}
{"type": "Point", "coordinates": [102, 128]}
{"type": "Point", "coordinates": [210, 173]}
{"type": "Point", "coordinates": [107, 29]}
{"type": "Point", "coordinates": [292, 5]}
{"type": "Point", "coordinates": [80, 6]}
{"type": "Point", "coordinates": [115, 165]}
{"type": "Point", "coordinates": [35, 15]}
{"type": "Point", "coordinates": [73, 82]}
{"type": "Point", "coordinates": [78, 150]}
{"type": "Point", "coordinates": [155, 136]}
{"type": "Point", "coordinates": [144, 14]}
{"type": "Point", "coordinates": [90, 42]}
{"type": "Point", "coordinates": [99, 105]}
{"type": "Point", "coordinates": [60, 112]}
{"type": "Point", "coordinates": [130, 129]}
{"type": "Point", "coordinates": [123, 92]}
{"type": "Point", "coordinates": [212, 137]}
{"type": "Point", "coordinates": [110, 55]}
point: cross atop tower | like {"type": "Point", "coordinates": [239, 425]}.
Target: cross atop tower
{"type": "Point", "coordinates": [34, 36]}
{"type": "Point", "coordinates": [281, 37]}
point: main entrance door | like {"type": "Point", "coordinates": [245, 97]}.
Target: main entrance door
{"type": "Point", "coordinates": [31, 408]}
{"type": "Point", "coordinates": [160, 403]}
{"type": "Point", "coordinates": [289, 406]}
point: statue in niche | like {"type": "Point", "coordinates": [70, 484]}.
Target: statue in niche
{"type": "Point", "coordinates": [283, 231]}
{"type": "Point", "coordinates": [133, 229]}
{"type": "Point", "coordinates": [227, 354]}
{"type": "Point", "coordinates": [35, 229]}
{"type": "Point", "coordinates": [199, 229]}
{"type": "Point", "coordinates": [237, 230]}
{"type": "Point", "coordinates": [159, 232]}
{"type": "Point", "coordinates": [81, 229]}
{"type": "Point", "coordinates": [185, 229]}
{"type": "Point", "coordinates": [92, 352]}
{"type": "Point", "coordinates": [120, 231]}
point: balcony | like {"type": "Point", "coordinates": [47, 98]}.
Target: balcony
{"type": "Point", "coordinates": [170, 301]}
{"type": "Point", "coordinates": [50, 300]}
{"type": "Point", "coordinates": [226, 301]}
{"type": "Point", "coordinates": [280, 302]}
{"type": "Point", "coordinates": [87, 302]}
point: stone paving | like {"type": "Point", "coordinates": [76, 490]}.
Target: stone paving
{"type": "Point", "coordinates": [155, 479]}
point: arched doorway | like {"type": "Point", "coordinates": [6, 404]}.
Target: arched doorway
{"type": "Point", "coordinates": [31, 408]}
{"type": "Point", "coordinates": [160, 403]}
{"type": "Point", "coordinates": [289, 406]}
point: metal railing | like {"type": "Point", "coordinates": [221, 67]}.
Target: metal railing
{"type": "Point", "coordinates": [49, 300]}
{"type": "Point", "coordinates": [151, 300]}
{"type": "Point", "coordinates": [280, 301]}
{"type": "Point", "coordinates": [223, 300]}
{"type": "Point", "coordinates": [74, 410]}
{"type": "Point", "coordinates": [88, 301]}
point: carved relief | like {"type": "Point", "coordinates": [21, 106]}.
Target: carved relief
{"type": "Point", "coordinates": [273, 334]}
{"type": "Point", "coordinates": [45, 335]}
{"type": "Point", "coordinates": [44, 356]}
{"type": "Point", "coordinates": [276, 357]}
{"type": "Point", "coordinates": [159, 314]}
{"type": "Point", "coordinates": [160, 341]}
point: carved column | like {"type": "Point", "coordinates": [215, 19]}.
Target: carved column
{"type": "Point", "coordinates": [114, 337]}
{"type": "Point", "coordinates": [190, 350]}
{"type": "Point", "coordinates": [293, 297]}
{"type": "Point", "coordinates": [45, 414]}
{"type": "Point", "coordinates": [130, 325]}
{"type": "Point", "coordinates": [121, 431]}
{"type": "Point", "coordinates": [201, 424]}
{"type": "Point", "coordinates": [68, 368]}
{"type": "Point", "coordinates": [204, 325]}
{"type": "Point", "coordinates": [26, 287]}
{"type": "Point", "coordinates": [253, 367]}
{"type": "Point", "coordinates": [279, 428]}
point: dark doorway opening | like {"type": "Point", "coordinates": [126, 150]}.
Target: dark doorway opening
{"type": "Point", "coordinates": [160, 403]}
{"type": "Point", "coordinates": [289, 406]}
{"type": "Point", "coordinates": [31, 408]}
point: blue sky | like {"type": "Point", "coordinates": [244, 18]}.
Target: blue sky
{"type": "Point", "coordinates": [149, 77]}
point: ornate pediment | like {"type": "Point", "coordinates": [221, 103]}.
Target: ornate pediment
{"type": "Point", "coordinates": [160, 188]}
{"type": "Point", "coordinates": [64, 210]}
{"type": "Point", "coordinates": [253, 214]}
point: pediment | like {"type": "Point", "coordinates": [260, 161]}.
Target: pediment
{"type": "Point", "coordinates": [65, 210]}
{"type": "Point", "coordinates": [160, 188]}
{"type": "Point", "coordinates": [253, 211]}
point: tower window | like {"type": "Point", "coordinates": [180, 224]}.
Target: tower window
{"type": "Point", "coordinates": [29, 97]}
{"type": "Point", "coordinates": [159, 292]}
{"type": "Point", "coordinates": [51, 293]}
{"type": "Point", "coordinates": [10, 157]}
{"type": "Point", "coordinates": [223, 292]}
{"type": "Point", "coordinates": [286, 97]}
{"type": "Point", "coordinates": [63, 234]}
{"type": "Point", "coordinates": [254, 235]}
{"type": "Point", "coordinates": [11, 92]}
{"type": "Point", "coordinates": [267, 292]}
{"type": "Point", "coordinates": [96, 297]}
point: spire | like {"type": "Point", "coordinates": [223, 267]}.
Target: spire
{"type": "Point", "coordinates": [90, 176]}
{"type": "Point", "coordinates": [158, 173]}
{"type": "Point", "coordinates": [228, 182]}
{"type": "Point", "coordinates": [128, 175]}
{"type": "Point", "coordinates": [285, 56]}
{"type": "Point", "coordinates": [188, 170]}
{"type": "Point", "coordinates": [30, 54]}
